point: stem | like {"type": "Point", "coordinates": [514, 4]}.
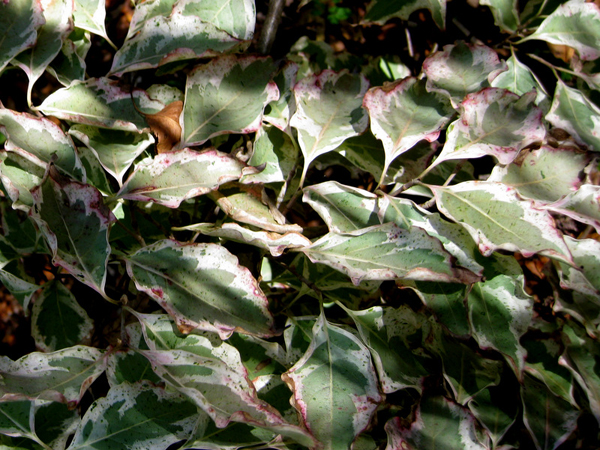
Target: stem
{"type": "Point", "coordinates": [270, 26]}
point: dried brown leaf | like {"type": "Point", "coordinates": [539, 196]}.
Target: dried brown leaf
{"type": "Point", "coordinates": [165, 126]}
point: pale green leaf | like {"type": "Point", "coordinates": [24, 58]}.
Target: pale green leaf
{"type": "Point", "coordinates": [74, 221]}
{"type": "Point", "coordinates": [202, 286]}
{"type": "Point", "coordinates": [20, 288]}
{"type": "Point", "coordinates": [404, 113]}
{"type": "Point", "coordinates": [334, 385]}
{"type": "Point", "coordinates": [236, 17]}
{"type": "Point", "coordinates": [90, 15]}
{"type": "Point", "coordinates": [519, 79]}
{"type": "Point", "coordinates": [279, 112]}
{"type": "Point", "coordinates": [461, 69]}
{"type": "Point", "coordinates": [115, 149]}
{"type": "Point", "coordinates": [505, 13]}
{"type": "Point", "coordinates": [227, 95]}
{"type": "Point", "coordinates": [57, 320]}
{"type": "Point", "coordinates": [549, 419]}
{"type": "Point", "coordinates": [576, 114]}
{"type": "Point", "coordinates": [19, 21]}
{"type": "Point", "coordinates": [136, 417]}
{"type": "Point", "coordinates": [586, 278]}
{"type": "Point", "coordinates": [582, 205]}
{"type": "Point", "coordinates": [500, 312]}
{"type": "Point", "coordinates": [575, 24]}
{"type": "Point", "coordinates": [381, 11]}
{"type": "Point", "coordinates": [497, 219]}
{"type": "Point", "coordinates": [69, 65]}
{"type": "Point", "coordinates": [328, 111]}
{"type": "Point", "coordinates": [535, 173]}
{"type": "Point", "coordinates": [170, 178]}
{"type": "Point", "coordinates": [493, 122]}
{"type": "Point", "coordinates": [20, 173]}
{"type": "Point", "coordinates": [61, 376]}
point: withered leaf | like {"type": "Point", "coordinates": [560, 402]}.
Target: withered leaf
{"type": "Point", "coordinates": [165, 126]}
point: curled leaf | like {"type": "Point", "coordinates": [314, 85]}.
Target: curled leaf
{"type": "Point", "coordinates": [165, 126]}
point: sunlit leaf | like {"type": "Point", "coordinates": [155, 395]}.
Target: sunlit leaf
{"type": "Point", "coordinates": [519, 79]}
{"type": "Point", "coordinates": [279, 112]}
{"type": "Point", "coordinates": [328, 111]}
{"type": "Point", "coordinates": [57, 320]}
{"type": "Point", "coordinates": [19, 20]}
{"type": "Point", "coordinates": [61, 376]}
{"type": "Point", "coordinates": [202, 286]}
{"type": "Point", "coordinates": [227, 95]}
{"type": "Point", "coordinates": [136, 417]}
{"type": "Point", "coordinates": [505, 13]}
{"type": "Point", "coordinates": [74, 221]}
{"type": "Point", "coordinates": [21, 172]}
{"type": "Point", "coordinates": [69, 65]}
{"type": "Point", "coordinates": [582, 205]}
{"type": "Point", "coordinates": [586, 255]}
{"type": "Point", "coordinates": [334, 385]}
{"type": "Point", "coordinates": [90, 15]}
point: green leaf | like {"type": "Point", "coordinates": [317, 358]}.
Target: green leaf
{"type": "Point", "coordinates": [498, 220]}
{"type": "Point", "coordinates": [202, 286]}
{"type": "Point", "coordinates": [534, 174]}
{"type": "Point", "coordinates": [49, 42]}
{"type": "Point", "coordinates": [505, 13]}
{"type": "Point", "coordinates": [115, 149]}
{"type": "Point", "coordinates": [136, 417]}
{"type": "Point", "coordinates": [519, 79]}
{"type": "Point", "coordinates": [227, 95]}
{"type": "Point", "coordinates": [586, 278]}
{"type": "Point", "coordinates": [74, 221]}
{"type": "Point", "coordinates": [385, 252]}
{"type": "Point", "coordinates": [576, 114]}
{"type": "Point", "coordinates": [404, 113]}
{"type": "Point", "coordinates": [19, 175]}
{"type": "Point", "coordinates": [328, 111]}
{"type": "Point", "coordinates": [129, 367]}
{"type": "Point", "coordinates": [391, 335]}
{"type": "Point", "coordinates": [280, 111]}
{"type": "Point", "coordinates": [90, 15]}
{"type": "Point", "coordinates": [69, 65]}
{"type": "Point", "coordinates": [236, 17]}
{"type": "Point", "coordinates": [381, 11]}
{"type": "Point", "coordinates": [461, 69]}
{"type": "Point", "coordinates": [495, 411]}
{"type": "Point", "coordinates": [57, 320]}
{"type": "Point", "coordinates": [19, 21]}
{"type": "Point", "coordinates": [61, 376]}
{"type": "Point", "coordinates": [334, 385]}
{"type": "Point", "coordinates": [500, 312]}
{"type": "Point", "coordinates": [549, 419]}
{"type": "Point", "coordinates": [493, 122]}
{"type": "Point", "coordinates": [440, 424]}
{"type": "Point", "coordinates": [100, 102]}
{"type": "Point", "coordinates": [170, 178]}
{"type": "Point", "coordinates": [20, 288]}
{"type": "Point", "coordinates": [575, 24]}
{"type": "Point", "coordinates": [582, 205]}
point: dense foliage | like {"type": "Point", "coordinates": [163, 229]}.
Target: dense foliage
{"type": "Point", "coordinates": [336, 248]}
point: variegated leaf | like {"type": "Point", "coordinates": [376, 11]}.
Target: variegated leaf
{"type": "Point", "coordinates": [461, 69]}
{"type": "Point", "coordinates": [57, 320]}
{"type": "Point", "coordinates": [100, 102]}
{"type": "Point", "coordinates": [115, 149]}
{"type": "Point", "coordinates": [334, 385]}
{"type": "Point", "coordinates": [21, 172]}
{"type": "Point", "coordinates": [493, 122]}
{"type": "Point", "coordinates": [505, 13]}
{"type": "Point", "coordinates": [19, 21]}
{"type": "Point", "coordinates": [519, 79]}
{"type": "Point", "coordinates": [90, 15]}
{"type": "Point", "coordinates": [573, 112]}
{"type": "Point", "coordinates": [202, 286]}
{"type": "Point", "coordinates": [22, 289]}
{"type": "Point", "coordinates": [61, 376]}
{"type": "Point", "coordinates": [69, 65]}
{"type": "Point", "coordinates": [404, 113]}
{"type": "Point", "coordinates": [582, 205]}
{"type": "Point", "coordinates": [279, 112]}
{"type": "Point", "coordinates": [575, 24]}
{"type": "Point", "coordinates": [381, 11]}
{"type": "Point", "coordinates": [227, 95]}
{"type": "Point", "coordinates": [328, 111]}
{"type": "Point", "coordinates": [170, 178]}
{"type": "Point", "coordinates": [75, 222]}
{"type": "Point", "coordinates": [136, 417]}
{"type": "Point", "coordinates": [497, 219]}
{"type": "Point", "coordinates": [586, 278]}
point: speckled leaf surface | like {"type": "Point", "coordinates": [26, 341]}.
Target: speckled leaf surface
{"type": "Point", "coordinates": [334, 385]}
{"type": "Point", "coordinates": [100, 102]}
{"type": "Point", "coordinates": [497, 219]}
{"type": "Point", "coordinates": [19, 176]}
{"type": "Point", "coordinates": [227, 95]}
{"type": "Point", "coordinates": [328, 111]}
{"type": "Point", "coordinates": [461, 69]}
{"type": "Point", "coordinates": [381, 11]}
{"type": "Point", "coordinates": [519, 79]}
{"type": "Point", "coordinates": [57, 320]}
{"type": "Point", "coordinates": [202, 286]}
{"type": "Point", "coordinates": [42, 138]}
{"type": "Point", "coordinates": [404, 113]}
{"type": "Point", "coordinates": [534, 174]}
{"type": "Point", "coordinates": [170, 178]}
{"type": "Point", "coordinates": [576, 114]}
{"type": "Point", "coordinates": [493, 122]}
{"type": "Point", "coordinates": [576, 24]}
{"type": "Point", "coordinates": [582, 205]}
{"type": "Point", "coordinates": [90, 15]}
{"type": "Point", "coordinates": [586, 255]}
{"type": "Point", "coordinates": [75, 222]}
{"type": "Point", "coordinates": [61, 376]}
{"type": "Point", "coordinates": [385, 252]}
{"type": "Point", "coordinates": [19, 21]}
{"type": "Point", "coordinates": [501, 299]}
{"type": "Point", "coordinates": [136, 417]}
{"type": "Point", "coordinates": [391, 334]}
{"type": "Point", "coordinates": [115, 149]}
